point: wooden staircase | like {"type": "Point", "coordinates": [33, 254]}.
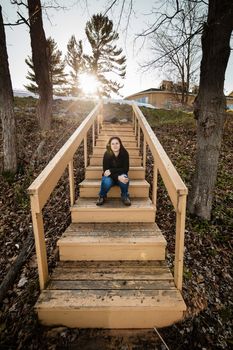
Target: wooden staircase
{"type": "Point", "coordinates": [112, 271]}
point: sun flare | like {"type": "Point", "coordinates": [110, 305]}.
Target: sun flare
{"type": "Point", "coordinates": [89, 84]}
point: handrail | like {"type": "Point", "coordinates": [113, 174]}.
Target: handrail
{"type": "Point", "coordinates": [44, 184]}
{"type": "Point", "coordinates": [169, 174]}
{"type": "Point", "coordinates": [173, 183]}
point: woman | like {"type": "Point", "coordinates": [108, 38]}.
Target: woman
{"type": "Point", "coordinates": [115, 171]}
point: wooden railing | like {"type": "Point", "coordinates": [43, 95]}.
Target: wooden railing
{"type": "Point", "coordinates": [175, 186]}
{"type": "Point", "coordinates": [45, 183]}
{"type": "Point", "coordinates": [41, 189]}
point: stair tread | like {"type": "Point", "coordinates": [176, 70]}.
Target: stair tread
{"type": "Point", "coordinates": [116, 133]}
{"type": "Point", "coordinates": [161, 299]}
{"type": "Point", "coordinates": [105, 234]}
{"type": "Point", "coordinates": [117, 125]}
{"type": "Point", "coordinates": [101, 156]}
{"type": "Point", "coordinates": [96, 183]}
{"type": "Point", "coordinates": [128, 148]}
{"type": "Point", "coordinates": [111, 284]}
{"type": "Point", "coordinates": [99, 167]}
{"type": "Point", "coordinates": [124, 137]}
{"type": "Point", "coordinates": [113, 203]}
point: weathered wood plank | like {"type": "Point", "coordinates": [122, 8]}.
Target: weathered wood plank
{"type": "Point", "coordinates": [119, 230]}
{"type": "Point", "coordinates": [109, 264]}
{"type": "Point", "coordinates": [114, 203]}
{"type": "Point", "coordinates": [116, 284]}
{"type": "Point", "coordinates": [117, 274]}
{"type": "Point", "coordinates": [161, 299]}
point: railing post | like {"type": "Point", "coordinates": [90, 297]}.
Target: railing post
{"type": "Point", "coordinates": [138, 135]}
{"type": "Point", "coordinates": [179, 247]}
{"type": "Point", "coordinates": [85, 150]}
{"type": "Point", "coordinates": [135, 126]}
{"type": "Point", "coordinates": [133, 118]}
{"type": "Point", "coordinates": [71, 181]}
{"type": "Point", "coordinates": [155, 184]}
{"type": "Point", "coordinates": [41, 254]}
{"type": "Point", "coordinates": [144, 152]}
{"type": "Point", "coordinates": [98, 124]}
{"type": "Point", "coordinates": [102, 112]}
{"type": "Point", "coordinates": [93, 134]}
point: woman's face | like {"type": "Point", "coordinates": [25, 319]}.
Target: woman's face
{"type": "Point", "coordinates": [115, 145]}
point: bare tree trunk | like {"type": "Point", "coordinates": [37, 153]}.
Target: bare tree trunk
{"type": "Point", "coordinates": [210, 105]}
{"type": "Point", "coordinates": [6, 106]}
{"type": "Point", "coordinates": [40, 63]}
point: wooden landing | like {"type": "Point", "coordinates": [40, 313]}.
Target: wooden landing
{"type": "Point", "coordinates": [119, 294]}
{"type": "Point", "coordinates": [105, 241]}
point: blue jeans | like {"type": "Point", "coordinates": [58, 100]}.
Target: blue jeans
{"type": "Point", "coordinates": [107, 182]}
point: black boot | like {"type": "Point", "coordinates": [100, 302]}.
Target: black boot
{"type": "Point", "coordinates": [100, 201]}
{"type": "Point", "coordinates": [126, 201]}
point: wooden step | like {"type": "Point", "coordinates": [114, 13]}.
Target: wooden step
{"type": "Point", "coordinates": [91, 188]}
{"type": "Point", "coordinates": [107, 124]}
{"type": "Point", "coordinates": [109, 294]}
{"type": "Point", "coordinates": [117, 126]}
{"type": "Point", "coordinates": [119, 133]}
{"type": "Point", "coordinates": [104, 241]}
{"type": "Point", "coordinates": [126, 144]}
{"type": "Point", "coordinates": [113, 127]}
{"type": "Point", "coordinates": [133, 151]}
{"type": "Point", "coordinates": [95, 172]}
{"type": "Point", "coordinates": [86, 210]}
{"type": "Point", "coordinates": [123, 138]}
{"type": "Point", "coordinates": [98, 160]}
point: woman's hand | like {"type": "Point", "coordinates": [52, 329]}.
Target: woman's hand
{"type": "Point", "coordinates": [123, 179]}
{"type": "Point", "coordinates": [107, 172]}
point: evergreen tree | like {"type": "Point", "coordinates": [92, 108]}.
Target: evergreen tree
{"type": "Point", "coordinates": [56, 69]}
{"type": "Point", "coordinates": [106, 58]}
{"type": "Point", "coordinates": [74, 59]}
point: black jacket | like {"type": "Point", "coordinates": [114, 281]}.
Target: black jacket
{"type": "Point", "coordinates": [117, 165]}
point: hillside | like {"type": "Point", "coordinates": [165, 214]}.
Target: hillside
{"type": "Point", "coordinates": [207, 274]}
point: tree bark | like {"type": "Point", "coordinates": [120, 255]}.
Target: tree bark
{"type": "Point", "coordinates": [210, 105]}
{"type": "Point", "coordinates": [6, 106]}
{"type": "Point", "coordinates": [40, 63]}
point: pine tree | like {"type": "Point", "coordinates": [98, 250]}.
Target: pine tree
{"type": "Point", "coordinates": [74, 59]}
{"type": "Point", "coordinates": [56, 70]}
{"type": "Point", "coordinates": [106, 58]}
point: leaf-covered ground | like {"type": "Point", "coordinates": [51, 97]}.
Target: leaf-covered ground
{"type": "Point", "coordinates": [208, 276]}
{"type": "Point", "coordinates": [208, 245]}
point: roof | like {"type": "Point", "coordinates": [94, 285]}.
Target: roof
{"type": "Point", "coordinates": [149, 90]}
{"type": "Point", "coordinates": [143, 92]}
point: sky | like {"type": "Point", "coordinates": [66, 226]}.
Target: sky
{"type": "Point", "coordinates": [61, 24]}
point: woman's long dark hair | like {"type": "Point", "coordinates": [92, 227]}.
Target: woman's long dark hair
{"type": "Point", "coordinates": [122, 148]}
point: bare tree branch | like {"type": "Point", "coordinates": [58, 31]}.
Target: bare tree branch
{"type": "Point", "coordinates": [109, 8]}
{"type": "Point", "coordinates": [19, 3]}
{"type": "Point", "coordinates": [176, 49]}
